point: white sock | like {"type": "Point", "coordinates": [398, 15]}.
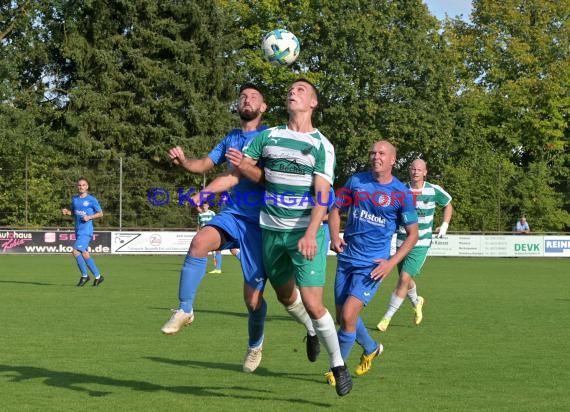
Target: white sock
{"type": "Point", "coordinates": [413, 295]}
{"type": "Point", "coordinates": [299, 313]}
{"type": "Point", "coordinates": [328, 337]}
{"type": "Point", "coordinates": [393, 306]}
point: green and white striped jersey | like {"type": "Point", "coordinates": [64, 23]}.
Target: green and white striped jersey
{"type": "Point", "coordinates": [205, 217]}
{"type": "Point", "coordinates": [427, 199]}
{"type": "Point", "coordinates": [290, 160]}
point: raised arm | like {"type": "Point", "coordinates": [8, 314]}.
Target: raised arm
{"type": "Point", "coordinates": [197, 166]}
{"type": "Point", "coordinates": [221, 183]}
{"type": "Point", "coordinates": [246, 165]}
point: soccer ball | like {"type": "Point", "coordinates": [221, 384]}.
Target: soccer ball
{"type": "Point", "coordinates": [280, 47]}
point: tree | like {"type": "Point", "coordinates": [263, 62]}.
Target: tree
{"type": "Point", "coordinates": [128, 80]}
{"type": "Point", "coordinates": [516, 55]}
{"type": "Point", "coordinates": [379, 65]}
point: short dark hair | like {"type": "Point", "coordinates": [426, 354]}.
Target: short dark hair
{"type": "Point", "coordinates": [315, 90]}
{"type": "Point", "coordinates": [83, 178]}
{"type": "Point", "coordinates": [250, 86]}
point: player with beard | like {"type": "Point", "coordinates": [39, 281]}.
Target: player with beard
{"type": "Point", "coordinates": [236, 226]}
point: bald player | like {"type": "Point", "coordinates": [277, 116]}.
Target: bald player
{"type": "Point", "coordinates": [377, 204]}
{"type": "Point", "coordinates": [427, 197]}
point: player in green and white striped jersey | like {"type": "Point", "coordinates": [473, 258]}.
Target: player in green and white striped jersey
{"type": "Point", "coordinates": [205, 216]}
{"type": "Point", "coordinates": [427, 196]}
{"type": "Point", "coordinates": [298, 165]}
{"type": "Point", "coordinates": [203, 219]}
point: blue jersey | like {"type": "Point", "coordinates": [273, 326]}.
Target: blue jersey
{"type": "Point", "coordinates": [84, 206]}
{"type": "Point", "coordinates": [245, 198]}
{"type": "Point", "coordinates": [375, 211]}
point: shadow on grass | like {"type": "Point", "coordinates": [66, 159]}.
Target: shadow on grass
{"type": "Point", "coordinates": [27, 283]}
{"type": "Point", "coordinates": [260, 371]}
{"type": "Point", "coordinates": [79, 382]}
{"type": "Point", "coordinates": [243, 314]}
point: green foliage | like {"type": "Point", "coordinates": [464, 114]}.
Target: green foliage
{"type": "Point", "coordinates": [120, 79]}
{"type": "Point", "coordinates": [383, 76]}
{"type": "Point", "coordinates": [517, 96]}
{"type": "Point", "coordinates": [86, 83]}
{"type": "Point", "coordinates": [535, 197]}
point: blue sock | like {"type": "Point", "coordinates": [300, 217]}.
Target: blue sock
{"type": "Point", "coordinates": [255, 324]}
{"type": "Point", "coordinates": [238, 255]}
{"type": "Point", "coordinates": [364, 339]}
{"type": "Point", "coordinates": [346, 341]}
{"type": "Point", "coordinates": [81, 265]}
{"type": "Point", "coordinates": [218, 260]}
{"type": "Point", "coordinates": [191, 275]}
{"type": "Point", "coordinates": [92, 267]}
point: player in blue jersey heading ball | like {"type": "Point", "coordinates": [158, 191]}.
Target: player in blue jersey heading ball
{"type": "Point", "coordinates": [377, 203]}
{"type": "Point", "coordinates": [84, 208]}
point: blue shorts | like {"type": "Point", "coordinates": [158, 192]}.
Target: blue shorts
{"type": "Point", "coordinates": [354, 281]}
{"type": "Point", "coordinates": [245, 235]}
{"type": "Point", "coordinates": [82, 242]}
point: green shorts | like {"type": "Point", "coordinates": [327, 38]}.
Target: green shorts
{"type": "Point", "coordinates": [282, 259]}
{"type": "Point", "coordinates": [412, 264]}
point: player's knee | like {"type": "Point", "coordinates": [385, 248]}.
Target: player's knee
{"type": "Point", "coordinates": [345, 319]}
{"type": "Point", "coordinates": [286, 294]}
{"type": "Point", "coordinates": [315, 309]}
{"type": "Point", "coordinates": [252, 304]}
{"type": "Point", "coordinates": [199, 248]}
{"type": "Point", "coordinates": [286, 300]}
{"type": "Point", "coordinates": [405, 279]}
{"type": "Point", "coordinates": [252, 298]}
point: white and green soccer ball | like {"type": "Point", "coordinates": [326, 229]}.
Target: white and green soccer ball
{"type": "Point", "coordinates": [280, 47]}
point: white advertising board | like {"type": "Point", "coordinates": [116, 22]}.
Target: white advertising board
{"type": "Point", "coordinates": [151, 243]}
{"type": "Point", "coordinates": [501, 246]}
{"type": "Point", "coordinates": [177, 243]}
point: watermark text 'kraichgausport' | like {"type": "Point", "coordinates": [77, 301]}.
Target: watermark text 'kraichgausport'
{"type": "Point", "coordinates": [344, 197]}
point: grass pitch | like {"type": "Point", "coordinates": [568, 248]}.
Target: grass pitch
{"type": "Point", "coordinates": [494, 338]}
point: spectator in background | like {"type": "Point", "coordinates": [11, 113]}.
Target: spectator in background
{"type": "Point", "coordinates": [522, 227]}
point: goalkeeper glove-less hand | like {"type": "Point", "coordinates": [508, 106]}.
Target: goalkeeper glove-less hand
{"type": "Point", "coordinates": [443, 229]}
